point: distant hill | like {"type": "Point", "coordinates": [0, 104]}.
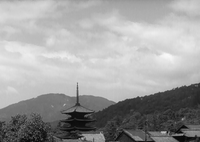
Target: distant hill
{"type": "Point", "coordinates": [50, 105]}
{"type": "Point", "coordinates": [175, 99]}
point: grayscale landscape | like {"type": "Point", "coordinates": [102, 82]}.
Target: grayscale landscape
{"type": "Point", "coordinates": [99, 70]}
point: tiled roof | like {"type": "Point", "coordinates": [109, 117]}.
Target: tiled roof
{"type": "Point", "coordinates": [66, 140]}
{"type": "Point", "coordinates": [177, 135]}
{"type": "Point", "coordinates": [77, 128]}
{"type": "Point", "coordinates": [189, 130]}
{"type": "Point", "coordinates": [188, 127]}
{"type": "Point", "coordinates": [77, 108]}
{"type": "Point", "coordinates": [193, 126]}
{"type": "Point", "coordinates": [191, 133]}
{"type": "Point", "coordinates": [136, 138]}
{"type": "Point", "coordinates": [137, 134]}
{"type": "Point", "coordinates": [156, 133]}
{"type": "Point", "coordinates": [164, 139]}
{"type": "Point", "coordinates": [79, 120]}
{"type": "Point", "coordinates": [71, 140]}
{"type": "Point", "coordinates": [94, 137]}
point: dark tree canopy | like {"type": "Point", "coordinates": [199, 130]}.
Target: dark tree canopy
{"type": "Point", "coordinates": [175, 99]}
{"type": "Point", "coordinates": [26, 129]}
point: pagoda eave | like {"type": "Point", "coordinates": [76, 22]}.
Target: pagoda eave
{"type": "Point", "coordinates": [78, 120]}
{"type": "Point", "coordinates": [78, 128]}
{"type": "Point", "coordinates": [77, 109]}
{"type": "Point", "coordinates": [72, 113]}
{"type": "Point", "coordinates": [68, 136]}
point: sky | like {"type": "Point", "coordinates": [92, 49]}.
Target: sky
{"type": "Point", "coordinates": [117, 49]}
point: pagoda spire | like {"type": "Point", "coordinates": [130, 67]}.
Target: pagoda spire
{"type": "Point", "coordinates": [77, 95]}
{"type": "Point", "coordinates": [78, 120]}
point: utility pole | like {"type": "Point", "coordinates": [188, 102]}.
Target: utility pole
{"type": "Point", "coordinates": [145, 130]}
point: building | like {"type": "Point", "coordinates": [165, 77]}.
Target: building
{"type": "Point", "coordinates": [77, 121]}
{"type": "Point", "coordinates": [161, 137]}
{"type": "Point", "coordinates": [188, 133]}
{"type": "Point", "coordinates": [141, 136]}
{"type": "Point", "coordinates": [93, 137]}
{"type": "Point", "coordinates": [130, 135]}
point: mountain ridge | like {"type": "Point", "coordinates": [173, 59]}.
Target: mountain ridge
{"type": "Point", "coordinates": [175, 99]}
{"type": "Point", "coordinates": [50, 105]}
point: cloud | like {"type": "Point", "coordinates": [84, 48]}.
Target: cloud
{"type": "Point", "coordinates": [18, 60]}
{"type": "Point", "coordinates": [9, 94]}
{"type": "Point", "coordinates": [62, 56]}
{"type": "Point", "coordinates": [188, 7]}
{"type": "Point", "coordinates": [106, 52]}
{"type": "Point", "coordinates": [11, 90]}
{"type": "Point", "coordinates": [23, 10]}
{"type": "Point", "coordinates": [126, 53]}
{"type": "Point", "coordinates": [61, 37]}
{"type": "Point", "coordinates": [162, 52]}
{"type": "Point", "coordinates": [86, 24]}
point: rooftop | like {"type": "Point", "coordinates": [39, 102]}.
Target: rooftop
{"type": "Point", "coordinates": [137, 135]}
{"type": "Point", "coordinates": [164, 139]}
{"type": "Point", "coordinates": [158, 134]}
{"type": "Point", "coordinates": [94, 137]}
{"type": "Point", "coordinates": [191, 133]}
{"type": "Point", "coordinates": [77, 107]}
{"type": "Point", "coordinates": [193, 127]}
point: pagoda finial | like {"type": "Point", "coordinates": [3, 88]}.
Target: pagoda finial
{"type": "Point", "coordinates": [77, 95]}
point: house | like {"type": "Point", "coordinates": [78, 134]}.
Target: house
{"type": "Point", "coordinates": [189, 127]}
{"type": "Point", "coordinates": [98, 137]}
{"type": "Point", "coordinates": [86, 137]}
{"type": "Point", "coordinates": [188, 133]}
{"type": "Point", "coordinates": [141, 136]}
{"type": "Point", "coordinates": [130, 135]}
{"type": "Point", "coordinates": [161, 137]}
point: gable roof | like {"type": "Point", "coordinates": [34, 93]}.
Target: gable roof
{"type": "Point", "coordinates": [164, 139]}
{"type": "Point", "coordinates": [191, 133]}
{"type": "Point", "coordinates": [65, 140]}
{"type": "Point", "coordinates": [191, 127]}
{"type": "Point", "coordinates": [161, 136]}
{"type": "Point", "coordinates": [136, 135]}
{"type": "Point", "coordinates": [94, 137]}
{"type": "Point", "coordinates": [156, 133]}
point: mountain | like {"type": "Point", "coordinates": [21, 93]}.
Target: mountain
{"type": "Point", "coordinates": [50, 105]}
{"type": "Point", "coordinates": [175, 99]}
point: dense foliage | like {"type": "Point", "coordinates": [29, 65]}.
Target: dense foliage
{"type": "Point", "coordinates": [26, 129]}
{"type": "Point", "coordinates": [168, 120]}
{"type": "Point", "coordinates": [175, 99]}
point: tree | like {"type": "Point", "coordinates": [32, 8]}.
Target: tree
{"type": "Point", "coordinates": [110, 131]}
{"type": "Point", "coordinates": [26, 129]}
{"type": "Point", "coordinates": [10, 130]}
{"type": "Point", "coordinates": [2, 123]}
{"type": "Point", "coordinates": [33, 130]}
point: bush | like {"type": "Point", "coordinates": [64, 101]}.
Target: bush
{"type": "Point", "coordinates": [24, 129]}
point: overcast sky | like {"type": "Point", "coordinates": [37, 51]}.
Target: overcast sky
{"type": "Point", "coordinates": [116, 49]}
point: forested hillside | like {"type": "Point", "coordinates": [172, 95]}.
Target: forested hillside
{"type": "Point", "coordinates": [172, 100]}
{"type": "Point", "coordinates": [50, 105]}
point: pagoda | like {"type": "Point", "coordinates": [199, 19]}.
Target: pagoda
{"type": "Point", "coordinates": [78, 120]}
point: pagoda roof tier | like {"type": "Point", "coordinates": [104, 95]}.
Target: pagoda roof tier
{"type": "Point", "coordinates": [78, 120]}
{"type": "Point", "coordinates": [68, 136]}
{"type": "Point", "coordinates": [77, 128]}
{"type": "Point", "coordinates": [77, 108]}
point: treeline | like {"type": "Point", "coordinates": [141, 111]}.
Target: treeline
{"type": "Point", "coordinates": [23, 128]}
{"type": "Point", "coordinates": [175, 99]}
{"type": "Point", "coordinates": [168, 120]}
